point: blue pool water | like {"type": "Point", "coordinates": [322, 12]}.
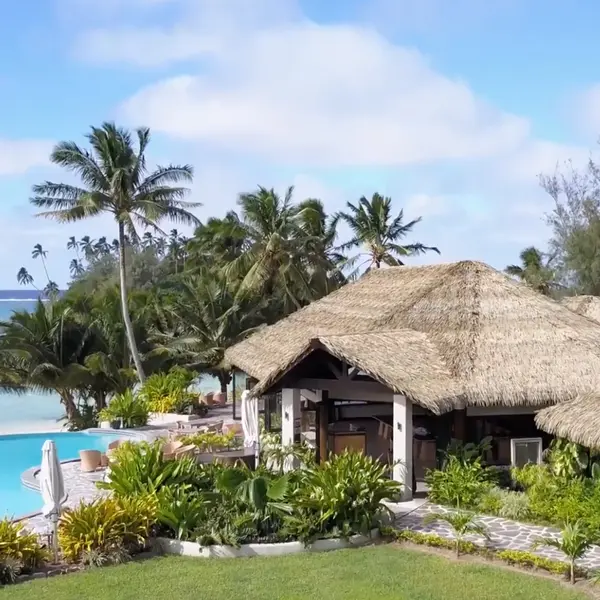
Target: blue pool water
{"type": "Point", "coordinates": [20, 452]}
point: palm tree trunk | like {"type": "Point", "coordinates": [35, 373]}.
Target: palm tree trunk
{"type": "Point", "coordinates": [572, 571]}
{"type": "Point", "coordinates": [125, 309]}
{"type": "Point", "coordinates": [70, 407]}
{"type": "Point", "coordinates": [457, 547]}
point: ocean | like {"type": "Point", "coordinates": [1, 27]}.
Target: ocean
{"type": "Point", "coordinates": [35, 411]}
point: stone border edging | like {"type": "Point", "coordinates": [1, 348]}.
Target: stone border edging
{"type": "Point", "coordinates": [193, 549]}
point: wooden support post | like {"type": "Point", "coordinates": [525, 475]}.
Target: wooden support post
{"type": "Point", "coordinates": [460, 425]}
{"type": "Point", "coordinates": [323, 427]}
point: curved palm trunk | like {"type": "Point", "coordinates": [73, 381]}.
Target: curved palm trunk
{"type": "Point", "coordinates": [125, 309]}
{"type": "Point", "coordinates": [70, 407]}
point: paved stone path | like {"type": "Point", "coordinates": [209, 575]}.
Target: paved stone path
{"type": "Point", "coordinates": [79, 487]}
{"type": "Point", "coordinates": [504, 534]}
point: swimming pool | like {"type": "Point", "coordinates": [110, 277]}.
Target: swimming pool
{"type": "Point", "coordinates": [19, 452]}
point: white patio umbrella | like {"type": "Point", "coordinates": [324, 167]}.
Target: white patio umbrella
{"type": "Point", "coordinates": [52, 488]}
{"type": "Point", "coordinates": [250, 421]}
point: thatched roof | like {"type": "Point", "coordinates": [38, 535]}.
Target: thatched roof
{"type": "Point", "coordinates": [489, 339]}
{"type": "Point", "coordinates": [588, 306]}
{"type": "Point", "coordinates": [577, 420]}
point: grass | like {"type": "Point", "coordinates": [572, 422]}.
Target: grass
{"type": "Point", "coordinates": [382, 572]}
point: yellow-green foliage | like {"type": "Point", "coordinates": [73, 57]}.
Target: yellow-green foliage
{"type": "Point", "coordinates": [521, 558]}
{"type": "Point", "coordinates": [210, 441]}
{"type": "Point", "coordinates": [168, 392]}
{"type": "Point", "coordinates": [434, 541]}
{"type": "Point", "coordinates": [17, 544]}
{"type": "Point", "coordinates": [518, 558]}
{"type": "Point", "coordinates": [106, 524]}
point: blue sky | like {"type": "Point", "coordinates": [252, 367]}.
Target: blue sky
{"type": "Point", "coordinates": [451, 108]}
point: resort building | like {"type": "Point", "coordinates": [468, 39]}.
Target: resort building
{"type": "Point", "coordinates": [407, 358]}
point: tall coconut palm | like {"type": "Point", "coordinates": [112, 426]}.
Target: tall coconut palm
{"type": "Point", "coordinates": [76, 268]}
{"type": "Point", "coordinates": [51, 290]}
{"type": "Point", "coordinates": [39, 252]}
{"type": "Point", "coordinates": [88, 247]}
{"type": "Point", "coordinates": [379, 233]}
{"type": "Point", "coordinates": [535, 270]}
{"type": "Point", "coordinates": [102, 247]}
{"type": "Point", "coordinates": [273, 258]}
{"type": "Point", "coordinates": [23, 277]}
{"type": "Point", "coordinates": [115, 180]}
{"type": "Point", "coordinates": [73, 244]}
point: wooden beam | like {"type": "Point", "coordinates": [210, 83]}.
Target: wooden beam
{"type": "Point", "coordinates": [334, 370]}
{"type": "Point", "coordinates": [459, 429]}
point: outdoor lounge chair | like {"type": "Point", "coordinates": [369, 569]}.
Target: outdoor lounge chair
{"type": "Point", "coordinates": [170, 448]}
{"type": "Point", "coordinates": [188, 450]}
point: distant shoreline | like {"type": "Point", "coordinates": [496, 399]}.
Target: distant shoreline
{"type": "Point", "coordinates": [20, 427]}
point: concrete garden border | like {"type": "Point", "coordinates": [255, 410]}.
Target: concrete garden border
{"type": "Point", "coordinates": [193, 549]}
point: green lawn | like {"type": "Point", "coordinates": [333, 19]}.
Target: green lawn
{"type": "Point", "coordinates": [381, 573]}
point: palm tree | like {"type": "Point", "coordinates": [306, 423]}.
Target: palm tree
{"type": "Point", "coordinates": [73, 244]}
{"type": "Point", "coordinates": [208, 319]}
{"type": "Point", "coordinates": [462, 524]}
{"type": "Point", "coordinates": [87, 246]}
{"type": "Point", "coordinates": [39, 252]}
{"type": "Point", "coordinates": [114, 246]}
{"type": "Point", "coordinates": [575, 540]}
{"type": "Point", "coordinates": [271, 242]}
{"type": "Point", "coordinates": [115, 180]}
{"type": "Point", "coordinates": [102, 247]}
{"type": "Point", "coordinates": [147, 240]}
{"type": "Point", "coordinates": [43, 348]}
{"type": "Point", "coordinates": [23, 277]}
{"type": "Point", "coordinates": [51, 290]}
{"type": "Point", "coordinates": [374, 229]}
{"type": "Point", "coordinates": [76, 268]}
{"type": "Point", "coordinates": [534, 270]}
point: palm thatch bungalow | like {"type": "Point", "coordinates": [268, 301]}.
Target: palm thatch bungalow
{"type": "Point", "coordinates": [578, 420]}
{"type": "Point", "coordinates": [433, 352]}
{"type": "Point", "coordinates": [588, 306]}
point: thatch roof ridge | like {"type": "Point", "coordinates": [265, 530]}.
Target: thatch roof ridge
{"type": "Point", "coordinates": [577, 420]}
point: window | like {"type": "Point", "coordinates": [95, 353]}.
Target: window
{"type": "Point", "coordinates": [524, 451]}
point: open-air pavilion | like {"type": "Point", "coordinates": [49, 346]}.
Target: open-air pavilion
{"type": "Point", "coordinates": [406, 358]}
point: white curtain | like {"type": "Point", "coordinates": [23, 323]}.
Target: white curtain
{"type": "Point", "coordinates": [250, 420]}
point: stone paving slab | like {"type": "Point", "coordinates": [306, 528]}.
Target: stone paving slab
{"type": "Point", "coordinates": [504, 534]}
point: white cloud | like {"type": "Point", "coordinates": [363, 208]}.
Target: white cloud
{"type": "Point", "coordinates": [349, 97]}
{"type": "Point", "coordinates": [18, 156]}
{"type": "Point", "coordinates": [261, 85]}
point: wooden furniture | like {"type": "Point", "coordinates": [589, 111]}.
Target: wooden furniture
{"type": "Point", "coordinates": [347, 440]}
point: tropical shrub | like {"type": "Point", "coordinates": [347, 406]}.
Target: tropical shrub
{"type": "Point", "coordinates": [168, 392]}
{"type": "Point", "coordinates": [462, 523]}
{"type": "Point", "coordinates": [126, 408]}
{"type": "Point", "coordinates": [505, 503]}
{"type": "Point", "coordinates": [260, 496]}
{"type": "Point", "coordinates": [20, 551]}
{"type": "Point", "coordinates": [342, 496]}
{"type": "Point", "coordinates": [212, 441]}
{"type": "Point", "coordinates": [182, 510]}
{"type": "Point", "coordinates": [567, 459]}
{"type": "Point", "coordinates": [556, 500]}
{"type": "Point", "coordinates": [105, 526]}
{"type": "Point", "coordinates": [138, 469]}
{"type": "Point", "coordinates": [575, 540]}
{"type": "Point", "coordinates": [462, 483]}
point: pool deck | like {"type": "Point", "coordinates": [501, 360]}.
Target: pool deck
{"type": "Point", "coordinates": [80, 486]}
